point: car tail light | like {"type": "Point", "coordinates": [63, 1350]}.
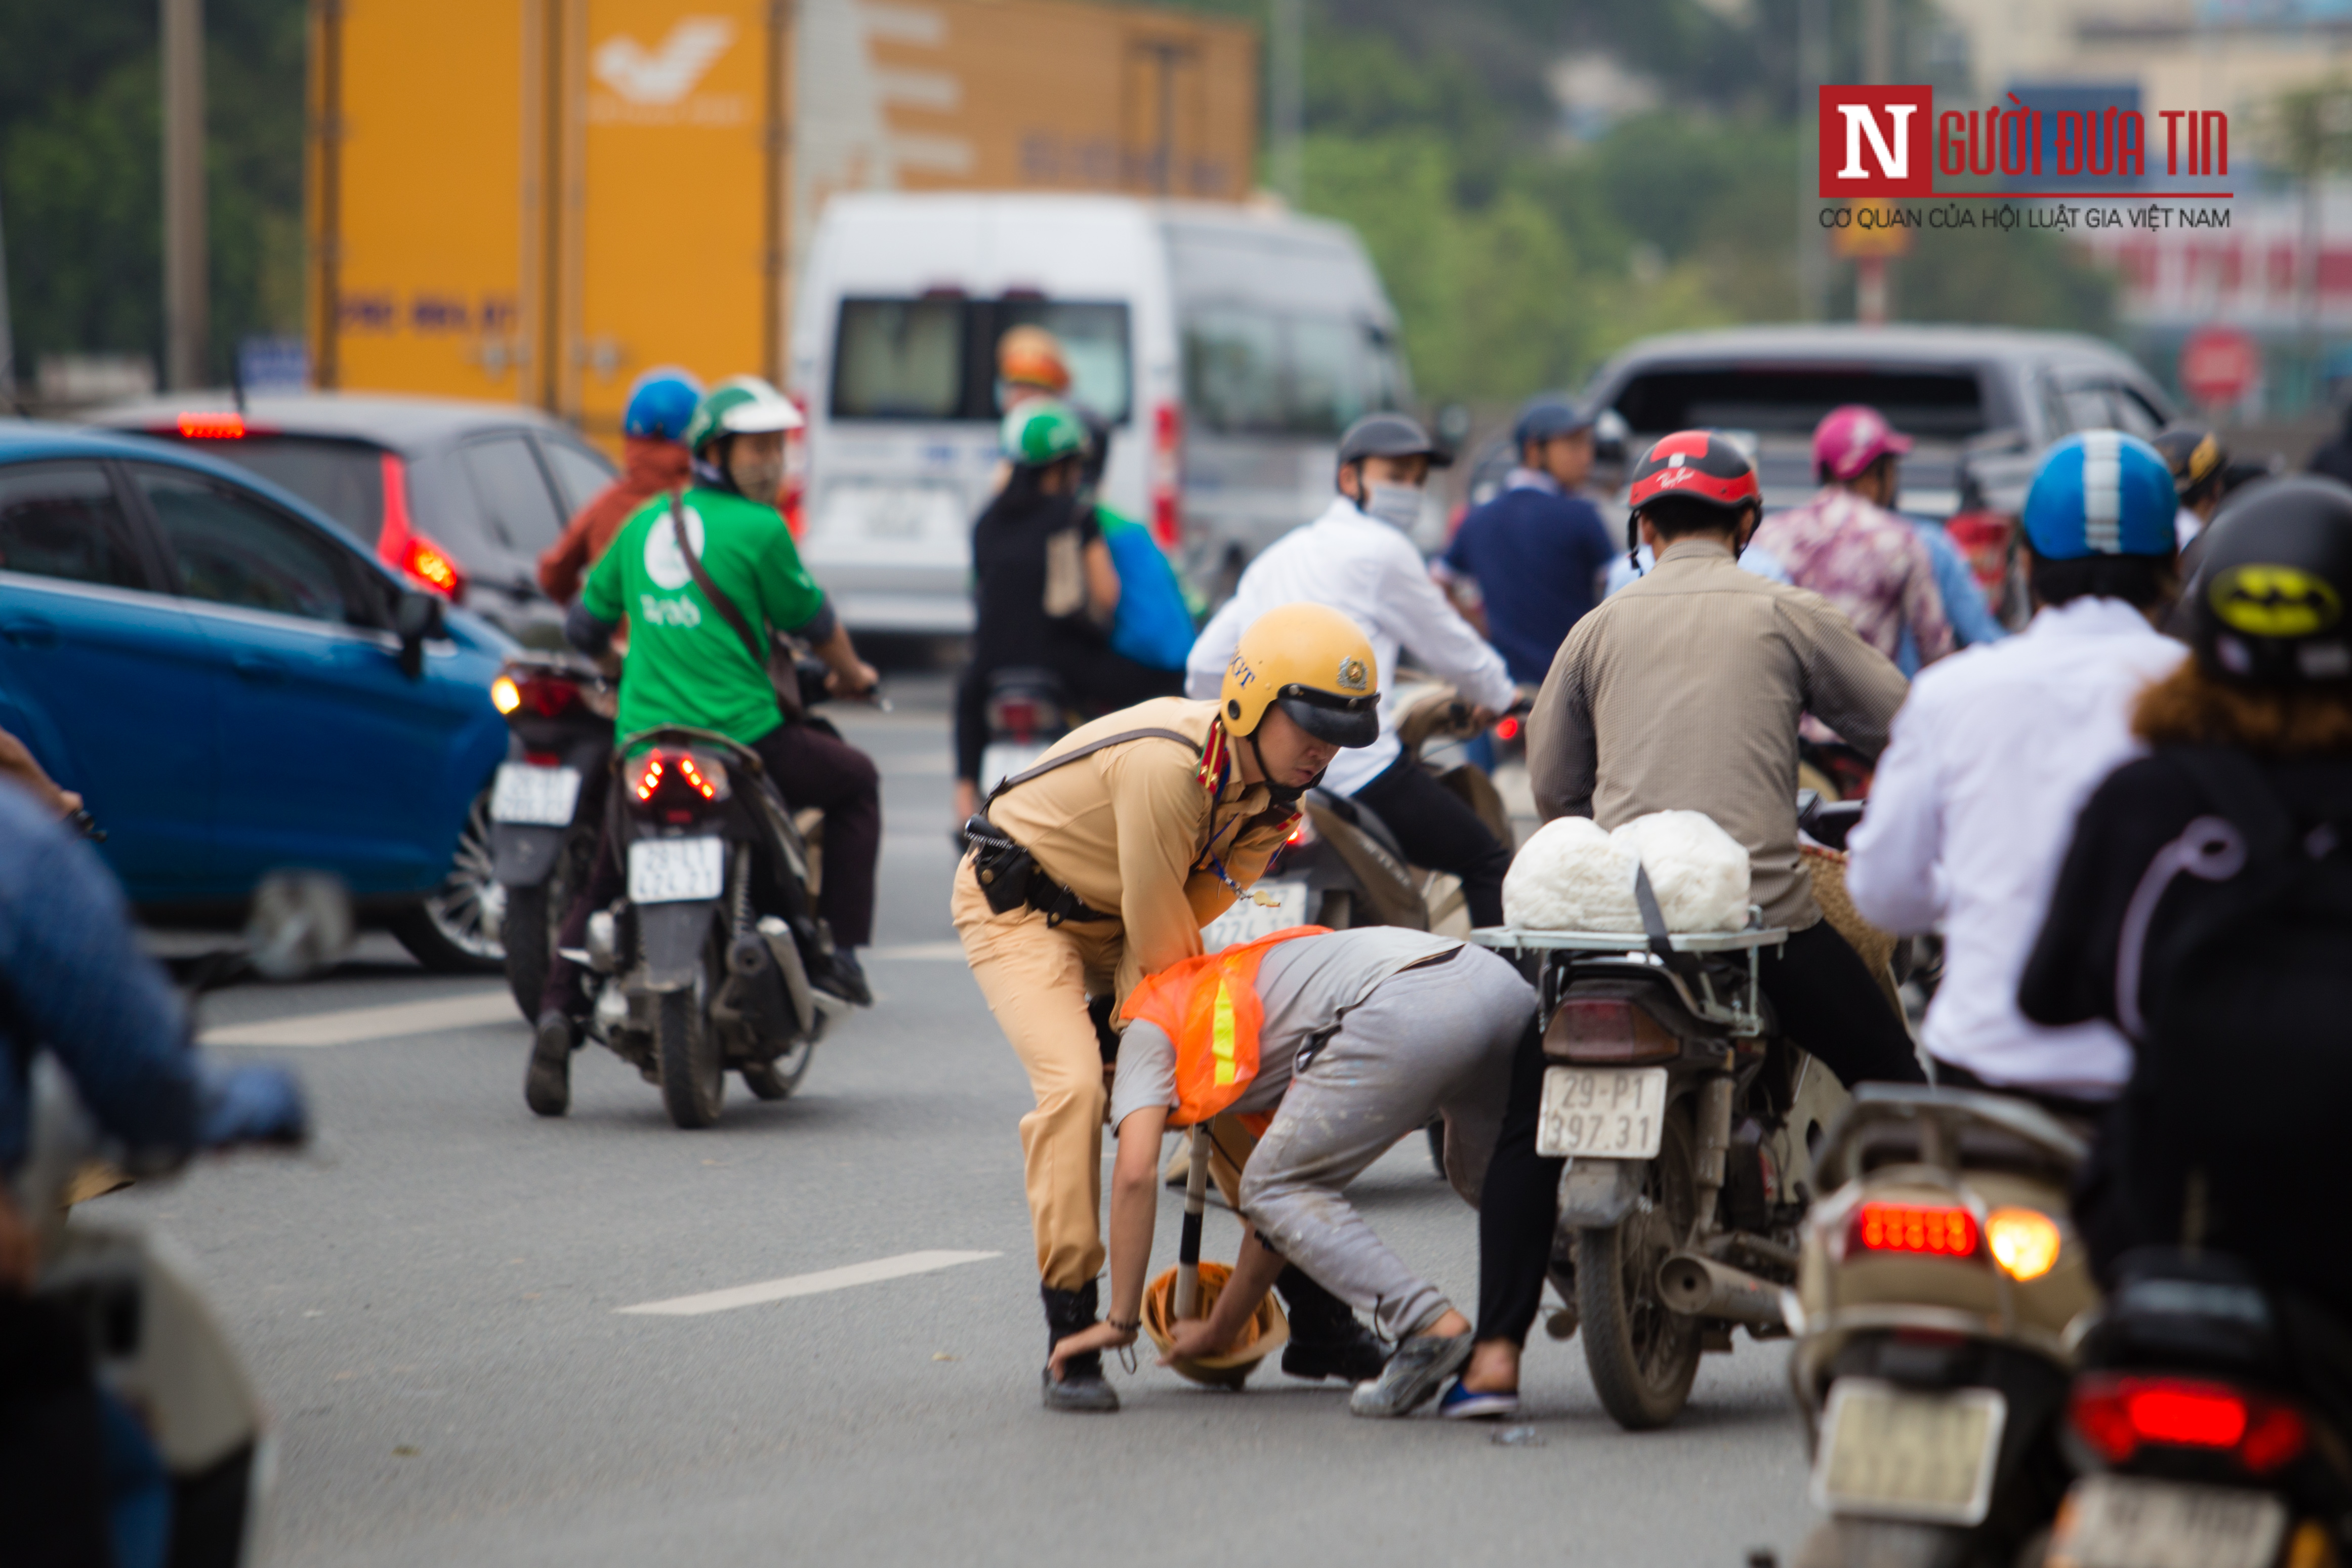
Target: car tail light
{"type": "Point", "coordinates": [1166, 475]}
{"type": "Point", "coordinates": [407, 552]}
{"type": "Point", "coordinates": [1607, 1029]}
{"type": "Point", "coordinates": [1935, 1230]}
{"type": "Point", "coordinates": [681, 776]}
{"type": "Point", "coordinates": [2116, 1415]}
{"type": "Point", "coordinates": [1506, 727]}
{"type": "Point", "coordinates": [2025, 1242]}
{"type": "Point", "coordinates": [197, 427]}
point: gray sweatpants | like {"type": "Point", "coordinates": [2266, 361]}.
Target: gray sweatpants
{"type": "Point", "coordinates": [1425, 1041]}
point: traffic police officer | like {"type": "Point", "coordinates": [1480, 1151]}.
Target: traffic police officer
{"type": "Point", "coordinates": [1099, 866]}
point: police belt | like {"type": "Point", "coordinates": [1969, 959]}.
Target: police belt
{"type": "Point", "coordinates": [1009, 877]}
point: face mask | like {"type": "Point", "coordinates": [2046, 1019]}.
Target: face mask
{"type": "Point", "coordinates": [1399, 506]}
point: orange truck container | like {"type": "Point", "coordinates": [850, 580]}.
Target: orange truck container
{"type": "Point", "coordinates": [537, 200]}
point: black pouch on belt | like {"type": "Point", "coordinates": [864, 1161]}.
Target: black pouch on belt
{"type": "Point", "coordinates": [1003, 868]}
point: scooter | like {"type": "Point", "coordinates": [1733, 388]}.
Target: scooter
{"type": "Point", "coordinates": [1689, 1122]}
{"type": "Point", "coordinates": [546, 804]}
{"type": "Point", "coordinates": [1940, 1292]}
{"type": "Point", "coordinates": [703, 965]}
{"type": "Point", "coordinates": [1027, 710]}
{"type": "Point", "coordinates": [157, 1348]}
{"type": "Point", "coordinates": [2199, 1428]}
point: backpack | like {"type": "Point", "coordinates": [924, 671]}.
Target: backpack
{"type": "Point", "coordinates": [1153, 626]}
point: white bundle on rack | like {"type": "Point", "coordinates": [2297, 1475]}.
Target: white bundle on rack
{"type": "Point", "coordinates": [1573, 876]}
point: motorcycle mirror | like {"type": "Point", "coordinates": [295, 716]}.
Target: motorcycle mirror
{"type": "Point", "coordinates": [300, 924]}
{"type": "Point", "coordinates": [416, 618]}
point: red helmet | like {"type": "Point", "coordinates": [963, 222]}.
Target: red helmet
{"type": "Point", "coordinates": [1700, 464]}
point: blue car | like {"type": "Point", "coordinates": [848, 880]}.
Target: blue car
{"type": "Point", "coordinates": [234, 685]}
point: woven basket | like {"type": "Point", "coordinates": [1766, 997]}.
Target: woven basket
{"type": "Point", "coordinates": [1267, 1331]}
{"type": "Point", "coordinates": [1875, 946]}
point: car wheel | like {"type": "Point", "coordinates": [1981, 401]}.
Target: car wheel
{"type": "Point", "coordinates": [451, 930]}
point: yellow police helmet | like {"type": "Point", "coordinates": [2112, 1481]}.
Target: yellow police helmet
{"type": "Point", "coordinates": [1316, 664]}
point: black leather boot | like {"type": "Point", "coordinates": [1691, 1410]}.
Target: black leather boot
{"type": "Point", "coordinates": [1327, 1339]}
{"type": "Point", "coordinates": [1082, 1386]}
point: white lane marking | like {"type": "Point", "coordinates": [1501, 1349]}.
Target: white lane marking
{"type": "Point", "coordinates": [353, 1025]}
{"type": "Point", "coordinates": [806, 1284]}
{"type": "Point", "coordinates": [920, 953]}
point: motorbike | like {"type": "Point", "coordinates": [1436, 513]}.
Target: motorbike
{"type": "Point", "coordinates": [2197, 1423]}
{"type": "Point", "coordinates": [1689, 1123]}
{"type": "Point", "coordinates": [546, 804]}
{"type": "Point", "coordinates": [157, 1349]}
{"type": "Point", "coordinates": [1027, 710]}
{"type": "Point", "coordinates": [702, 966]}
{"type": "Point", "coordinates": [1939, 1291]}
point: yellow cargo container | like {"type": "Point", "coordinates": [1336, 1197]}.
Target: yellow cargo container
{"type": "Point", "coordinates": [536, 200]}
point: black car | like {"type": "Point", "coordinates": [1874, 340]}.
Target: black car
{"type": "Point", "coordinates": [457, 497]}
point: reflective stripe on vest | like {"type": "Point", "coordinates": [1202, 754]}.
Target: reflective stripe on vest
{"type": "Point", "coordinates": [1209, 1008]}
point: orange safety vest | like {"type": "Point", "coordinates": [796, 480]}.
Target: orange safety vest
{"type": "Point", "coordinates": [1208, 1006]}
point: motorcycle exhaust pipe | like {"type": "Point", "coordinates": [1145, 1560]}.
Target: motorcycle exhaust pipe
{"type": "Point", "coordinates": [1699, 1286]}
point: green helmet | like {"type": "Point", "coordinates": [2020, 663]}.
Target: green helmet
{"type": "Point", "coordinates": [739, 406]}
{"type": "Point", "coordinates": [1042, 431]}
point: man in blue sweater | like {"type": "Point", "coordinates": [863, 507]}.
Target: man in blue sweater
{"type": "Point", "coordinates": [1539, 551]}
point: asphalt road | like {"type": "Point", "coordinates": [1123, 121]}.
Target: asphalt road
{"type": "Point", "coordinates": [435, 1307]}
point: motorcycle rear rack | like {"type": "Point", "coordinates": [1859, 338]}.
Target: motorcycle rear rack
{"type": "Point", "coordinates": [1735, 1012]}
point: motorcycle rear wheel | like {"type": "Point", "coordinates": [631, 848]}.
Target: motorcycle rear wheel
{"type": "Point", "coordinates": [693, 1070]}
{"type": "Point", "coordinates": [776, 1080]}
{"type": "Point", "coordinates": [1643, 1357]}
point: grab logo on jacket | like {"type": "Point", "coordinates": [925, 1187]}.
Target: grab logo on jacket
{"type": "Point", "coordinates": [663, 565]}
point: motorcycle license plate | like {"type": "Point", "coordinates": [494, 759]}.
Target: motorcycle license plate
{"type": "Point", "coordinates": [1247, 920]}
{"type": "Point", "coordinates": [1897, 1453]}
{"type": "Point", "coordinates": [544, 796]}
{"type": "Point", "coordinates": [2122, 1521]}
{"type": "Point", "coordinates": [671, 870]}
{"type": "Point", "coordinates": [1615, 1113]}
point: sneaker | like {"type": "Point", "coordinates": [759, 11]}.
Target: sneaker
{"type": "Point", "coordinates": [844, 979]}
{"type": "Point", "coordinates": [547, 1082]}
{"type": "Point", "coordinates": [1082, 1388]}
{"type": "Point", "coordinates": [1413, 1377]}
{"type": "Point", "coordinates": [1461, 1404]}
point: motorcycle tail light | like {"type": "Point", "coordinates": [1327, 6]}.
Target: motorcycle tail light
{"type": "Point", "coordinates": [1506, 727]}
{"type": "Point", "coordinates": [1934, 1230]}
{"type": "Point", "coordinates": [1020, 716]}
{"type": "Point", "coordinates": [2116, 1415]}
{"type": "Point", "coordinates": [1607, 1029]}
{"type": "Point", "coordinates": [677, 777]}
{"type": "Point", "coordinates": [549, 697]}
{"type": "Point", "coordinates": [2025, 1242]}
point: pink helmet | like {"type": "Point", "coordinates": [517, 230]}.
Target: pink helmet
{"type": "Point", "coordinates": [1851, 438]}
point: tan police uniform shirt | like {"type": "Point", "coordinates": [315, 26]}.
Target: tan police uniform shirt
{"type": "Point", "coordinates": [1129, 830]}
{"type": "Point", "coordinates": [1682, 691]}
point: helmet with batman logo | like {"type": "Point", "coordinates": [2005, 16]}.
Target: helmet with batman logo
{"type": "Point", "coordinates": [2272, 588]}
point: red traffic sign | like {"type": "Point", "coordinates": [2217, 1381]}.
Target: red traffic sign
{"type": "Point", "coordinates": [2219, 365]}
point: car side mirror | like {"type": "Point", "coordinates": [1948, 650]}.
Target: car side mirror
{"type": "Point", "coordinates": [416, 617]}
{"type": "Point", "coordinates": [1609, 434]}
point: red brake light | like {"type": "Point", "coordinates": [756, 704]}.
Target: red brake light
{"type": "Point", "coordinates": [429, 566]}
{"type": "Point", "coordinates": [1607, 1029]}
{"type": "Point", "coordinates": [1166, 475]}
{"type": "Point", "coordinates": [1938, 1230]}
{"type": "Point", "coordinates": [407, 552]}
{"type": "Point", "coordinates": [548, 696]}
{"type": "Point", "coordinates": [2116, 1415]}
{"type": "Point", "coordinates": [1506, 727]}
{"type": "Point", "coordinates": [701, 776]}
{"type": "Point", "coordinates": [213, 426]}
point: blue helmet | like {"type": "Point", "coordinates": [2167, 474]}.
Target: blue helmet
{"type": "Point", "coordinates": [661, 404]}
{"type": "Point", "coordinates": [1547, 416]}
{"type": "Point", "coordinates": [2101, 492]}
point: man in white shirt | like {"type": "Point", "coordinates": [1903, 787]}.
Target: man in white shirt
{"type": "Point", "coordinates": [1357, 559]}
{"type": "Point", "coordinates": [1996, 750]}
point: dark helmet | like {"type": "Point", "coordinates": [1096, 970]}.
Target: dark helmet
{"type": "Point", "coordinates": [2195, 454]}
{"type": "Point", "coordinates": [2272, 588]}
{"type": "Point", "coordinates": [1390, 435]}
{"type": "Point", "coordinates": [1700, 465]}
{"type": "Point", "coordinates": [1547, 417]}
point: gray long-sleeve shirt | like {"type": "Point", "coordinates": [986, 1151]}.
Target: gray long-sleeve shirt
{"type": "Point", "coordinates": [1683, 692]}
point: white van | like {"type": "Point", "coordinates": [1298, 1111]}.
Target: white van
{"type": "Point", "coordinates": [1228, 347]}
